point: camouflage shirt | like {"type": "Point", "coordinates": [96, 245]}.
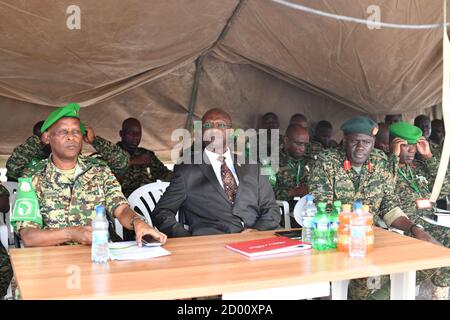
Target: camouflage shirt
{"type": "Point", "coordinates": [34, 150]}
{"type": "Point", "coordinates": [66, 202]}
{"type": "Point", "coordinates": [28, 153]}
{"type": "Point", "coordinates": [134, 177]}
{"type": "Point", "coordinates": [374, 185]}
{"type": "Point", "coordinates": [314, 148]}
{"type": "Point", "coordinates": [292, 173]}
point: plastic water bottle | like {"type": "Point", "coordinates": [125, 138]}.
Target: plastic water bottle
{"type": "Point", "coordinates": [334, 224]}
{"type": "Point", "coordinates": [310, 212]}
{"type": "Point", "coordinates": [369, 228]}
{"type": "Point", "coordinates": [357, 245]}
{"type": "Point", "coordinates": [320, 240]}
{"type": "Point", "coordinates": [100, 236]}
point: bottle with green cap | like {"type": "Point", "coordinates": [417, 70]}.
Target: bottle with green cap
{"type": "Point", "coordinates": [334, 224]}
{"type": "Point", "coordinates": [321, 225]}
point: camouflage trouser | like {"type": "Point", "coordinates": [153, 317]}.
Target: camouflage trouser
{"type": "Point", "coordinates": [362, 289]}
{"type": "Point", "coordinates": [6, 272]}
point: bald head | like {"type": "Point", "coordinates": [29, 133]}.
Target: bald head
{"type": "Point", "coordinates": [131, 134]}
{"type": "Point", "coordinates": [392, 118]}
{"type": "Point", "coordinates": [382, 138]}
{"type": "Point", "coordinates": [299, 119]}
{"type": "Point", "coordinates": [295, 141]}
{"type": "Point", "coordinates": [270, 121]}
{"type": "Point", "coordinates": [323, 133]}
{"type": "Point", "coordinates": [217, 114]}
{"type": "Point", "coordinates": [437, 131]}
{"type": "Point", "coordinates": [217, 127]}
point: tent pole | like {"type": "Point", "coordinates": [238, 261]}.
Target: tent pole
{"type": "Point", "coordinates": [443, 166]}
{"type": "Point", "coordinates": [193, 101]}
{"type": "Point", "coordinates": [199, 62]}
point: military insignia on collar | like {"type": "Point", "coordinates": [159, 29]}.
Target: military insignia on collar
{"type": "Point", "coordinates": [347, 165]}
{"type": "Point", "coordinates": [374, 131]}
{"type": "Point", "coordinates": [370, 167]}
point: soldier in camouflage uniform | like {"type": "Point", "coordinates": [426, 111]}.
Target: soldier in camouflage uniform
{"type": "Point", "coordinates": [414, 181]}
{"type": "Point", "coordinates": [360, 172]}
{"type": "Point", "coordinates": [294, 166]}
{"type": "Point", "coordinates": [34, 150]}
{"type": "Point", "coordinates": [6, 272]}
{"type": "Point", "coordinates": [144, 167]}
{"type": "Point", "coordinates": [321, 139]}
{"type": "Point", "coordinates": [68, 187]}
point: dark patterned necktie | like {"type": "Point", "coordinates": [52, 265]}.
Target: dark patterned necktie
{"type": "Point", "coordinates": [229, 183]}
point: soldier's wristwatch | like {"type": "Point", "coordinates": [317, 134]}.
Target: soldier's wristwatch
{"type": "Point", "coordinates": [135, 217]}
{"type": "Point", "coordinates": [418, 226]}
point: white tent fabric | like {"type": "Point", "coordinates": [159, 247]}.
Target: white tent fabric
{"type": "Point", "coordinates": [137, 58]}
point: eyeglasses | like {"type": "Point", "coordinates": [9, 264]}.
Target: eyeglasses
{"type": "Point", "coordinates": [64, 133]}
{"type": "Point", "coordinates": [218, 125]}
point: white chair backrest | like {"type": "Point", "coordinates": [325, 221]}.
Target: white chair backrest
{"type": "Point", "coordinates": [11, 186]}
{"type": "Point", "coordinates": [285, 213]}
{"type": "Point", "coordinates": [3, 177]}
{"type": "Point", "coordinates": [144, 199]}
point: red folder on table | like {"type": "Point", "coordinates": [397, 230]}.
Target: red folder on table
{"type": "Point", "coordinates": [268, 246]}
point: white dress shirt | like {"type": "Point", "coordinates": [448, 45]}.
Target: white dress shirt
{"type": "Point", "coordinates": [216, 164]}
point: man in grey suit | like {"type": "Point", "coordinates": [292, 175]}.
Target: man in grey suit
{"type": "Point", "coordinates": [217, 196]}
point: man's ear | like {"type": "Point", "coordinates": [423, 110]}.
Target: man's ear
{"type": "Point", "coordinates": [45, 137]}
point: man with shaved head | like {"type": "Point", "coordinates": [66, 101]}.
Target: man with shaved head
{"type": "Point", "coordinates": [382, 138]}
{"type": "Point", "coordinates": [144, 167]}
{"type": "Point", "coordinates": [218, 195]}
{"type": "Point", "coordinates": [294, 165]}
{"type": "Point", "coordinates": [299, 119]}
{"type": "Point", "coordinates": [392, 118]}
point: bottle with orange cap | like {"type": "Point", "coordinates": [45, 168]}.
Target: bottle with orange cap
{"type": "Point", "coordinates": [344, 228]}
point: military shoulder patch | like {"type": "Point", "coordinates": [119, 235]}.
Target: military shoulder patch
{"type": "Point", "coordinates": [96, 161]}
{"type": "Point", "coordinates": [34, 168]}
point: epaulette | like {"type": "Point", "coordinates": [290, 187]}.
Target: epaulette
{"type": "Point", "coordinates": [96, 161]}
{"type": "Point", "coordinates": [34, 168]}
{"type": "Point", "coordinates": [378, 155]}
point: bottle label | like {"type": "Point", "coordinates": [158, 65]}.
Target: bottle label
{"type": "Point", "coordinates": [321, 226]}
{"type": "Point", "coordinates": [334, 225]}
{"type": "Point", "coordinates": [358, 232]}
{"type": "Point", "coordinates": [99, 237]}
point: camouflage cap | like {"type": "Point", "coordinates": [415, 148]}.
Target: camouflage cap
{"type": "Point", "coordinates": [71, 110]}
{"type": "Point", "coordinates": [360, 124]}
{"type": "Point", "coordinates": [405, 131]}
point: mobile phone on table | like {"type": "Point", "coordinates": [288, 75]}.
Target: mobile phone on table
{"type": "Point", "coordinates": [149, 241]}
{"type": "Point", "coordinates": [293, 234]}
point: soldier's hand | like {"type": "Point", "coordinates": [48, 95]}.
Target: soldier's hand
{"type": "Point", "coordinates": [141, 160]}
{"type": "Point", "coordinates": [89, 136]}
{"type": "Point", "coordinates": [141, 229]}
{"type": "Point", "coordinates": [425, 236]}
{"type": "Point", "coordinates": [82, 235]}
{"type": "Point", "coordinates": [423, 147]}
{"type": "Point", "coordinates": [396, 145]}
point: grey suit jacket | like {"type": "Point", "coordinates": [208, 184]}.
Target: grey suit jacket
{"type": "Point", "coordinates": [204, 206]}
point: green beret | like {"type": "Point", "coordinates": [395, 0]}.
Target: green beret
{"type": "Point", "coordinates": [71, 110]}
{"type": "Point", "coordinates": [405, 131]}
{"type": "Point", "coordinates": [360, 125]}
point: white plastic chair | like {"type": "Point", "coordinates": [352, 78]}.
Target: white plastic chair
{"type": "Point", "coordinates": [284, 210]}
{"type": "Point", "coordinates": [143, 200]}
{"type": "Point", "coordinates": [11, 186]}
